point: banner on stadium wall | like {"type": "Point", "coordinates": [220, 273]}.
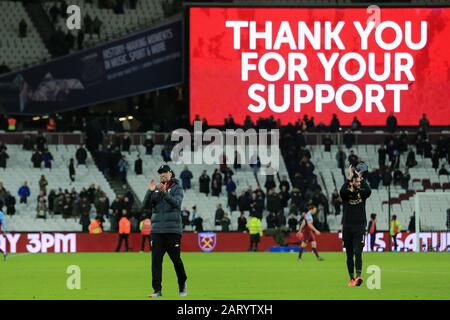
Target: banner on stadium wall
{"type": "Point", "coordinates": [288, 62]}
{"type": "Point", "coordinates": [141, 62]}
{"type": "Point", "coordinates": [206, 242]}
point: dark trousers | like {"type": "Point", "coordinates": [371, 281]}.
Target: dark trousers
{"type": "Point", "coordinates": [372, 237]}
{"type": "Point", "coordinates": [170, 243]}
{"type": "Point", "coordinates": [122, 237]}
{"type": "Point", "coordinates": [145, 238]}
{"type": "Point", "coordinates": [354, 244]}
{"type": "Point", "coordinates": [23, 200]}
{"type": "Point", "coordinates": [394, 240]}
{"type": "Point", "coordinates": [254, 240]}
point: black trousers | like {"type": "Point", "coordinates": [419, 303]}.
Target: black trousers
{"type": "Point", "coordinates": [353, 238]}
{"type": "Point", "coordinates": [122, 237]}
{"type": "Point", "coordinates": [170, 243]}
{"type": "Point", "coordinates": [372, 237]}
{"type": "Point", "coordinates": [254, 240]}
{"type": "Point", "coordinates": [145, 238]}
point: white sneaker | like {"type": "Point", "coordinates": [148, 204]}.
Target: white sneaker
{"type": "Point", "coordinates": [183, 293]}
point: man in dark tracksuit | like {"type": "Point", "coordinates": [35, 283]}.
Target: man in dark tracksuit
{"type": "Point", "coordinates": [165, 199]}
{"type": "Point", "coordinates": [354, 194]}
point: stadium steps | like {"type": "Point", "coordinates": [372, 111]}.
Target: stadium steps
{"type": "Point", "coordinates": [42, 23]}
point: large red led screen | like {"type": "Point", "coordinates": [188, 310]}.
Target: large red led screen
{"type": "Point", "coordinates": [288, 62]}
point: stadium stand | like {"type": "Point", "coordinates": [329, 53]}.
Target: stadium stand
{"type": "Point", "coordinates": [16, 51]}
{"type": "Point", "coordinates": [113, 25]}
{"type": "Point", "coordinates": [20, 169]}
{"type": "Point", "coordinates": [206, 205]}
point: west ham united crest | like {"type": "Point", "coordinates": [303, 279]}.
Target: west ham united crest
{"type": "Point", "coordinates": [207, 241]}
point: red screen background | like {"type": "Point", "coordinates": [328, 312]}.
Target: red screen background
{"type": "Point", "coordinates": [216, 89]}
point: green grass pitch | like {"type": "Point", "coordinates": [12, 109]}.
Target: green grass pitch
{"type": "Point", "coordinates": [224, 276]}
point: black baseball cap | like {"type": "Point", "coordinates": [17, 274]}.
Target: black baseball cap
{"type": "Point", "coordinates": [164, 168]}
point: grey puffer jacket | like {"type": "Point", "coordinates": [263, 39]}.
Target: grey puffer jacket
{"type": "Point", "coordinates": [166, 216]}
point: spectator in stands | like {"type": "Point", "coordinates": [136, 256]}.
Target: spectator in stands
{"type": "Point", "coordinates": [340, 158]}
{"type": "Point", "coordinates": [242, 223]}
{"type": "Point", "coordinates": [197, 220]}
{"type": "Point", "coordinates": [353, 158]}
{"type": "Point", "coordinates": [68, 206]}
{"type": "Point", "coordinates": [230, 186]}
{"type": "Point", "coordinates": [47, 157]}
{"type": "Point", "coordinates": [96, 25]}
{"type": "Point", "coordinates": [391, 123]}
{"type": "Point", "coordinates": [255, 163]}
{"type": "Point", "coordinates": [397, 176]}
{"type": "Point", "coordinates": [116, 210]}
{"type": "Point", "coordinates": [138, 165]}
{"type": "Point", "coordinates": [271, 221]}
{"type": "Point", "coordinates": [327, 142]}
{"type": "Point", "coordinates": [216, 183]}
{"type": "Point", "coordinates": [424, 123]}
{"type": "Point", "coordinates": [81, 155]}
{"type": "Point", "coordinates": [232, 201]}
{"type": "Point", "coordinates": [372, 230]}
{"type": "Point", "coordinates": [441, 147]}
{"type": "Point", "coordinates": [23, 28]}
{"type": "Point", "coordinates": [185, 217]}
{"type": "Point", "coordinates": [63, 9]}
{"type": "Point", "coordinates": [126, 143]}
{"type": "Point", "coordinates": [284, 196]}
{"type": "Point", "coordinates": [335, 125]}
{"type": "Point", "coordinates": [118, 8]}
{"type": "Point", "coordinates": [394, 229]}
{"type": "Point", "coordinates": [3, 158]}
{"type": "Point", "coordinates": [102, 206]}
{"type": "Point", "coordinates": [148, 144]}
{"type": "Point", "coordinates": [54, 13]}
{"type": "Point", "coordinates": [28, 144]}
{"type": "Point", "coordinates": [85, 221]}
{"type": "Point", "coordinates": [427, 148]}
{"type": "Point", "coordinates": [411, 159]}
{"type": "Point", "coordinates": [243, 202]}
{"type": "Point", "coordinates": [133, 4]}
{"type": "Point", "coordinates": [443, 171]}
{"type": "Point", "coordinates": [435, 160]}
{"type": "Point", "coordinates": [58, 203]}
{"type": "Point", "coordinates": [165, 154]}
{"type": "Point", "coordinates": [412, 223]}
{"type": "Point", "coordinates": [336, 201]}
{"type": "Point", "coordinates": [387, 177]}
{"type": "Point", "coordinates": [10, 203]}
{"type": "Point", "coordinates": [270, 182]}
{"type": "Point", "coordinates": [356, 124]}
{"type": "Point", "coordinates": [51, 201]}
{"type": "Point", "coordinates": [186, 177]}
{"type": "Point", "coordinates": [273, 202]}
{"type": "Point", "coordinates": [41, 210]}
{"type": "Point", "coordinates": [24, 192]}
{"type": "Point", "coordinates": [43, 183]}
{"type": "Point", "coordinates": [237, 161]}
{"type": "Point", "coordinates": [219, 215]}
{"type": "Point", "coordinates": [41, 141]}
{"type": "Point", "coordinates": [349, 139]}
{"type": "Point", "coordinates": [292, 222]}
{"type": "Point", "coordinates": [69, 41]}
{"type": "Point", "coordinates": [123, 167]}
{"type": "Point", "coordinates": [3, 193]}
{"type": "Point", "coordinates": [225, 223]}
{"type": "Point", "coordinates": [36, 159]}
{"type": "Point", "coordinates": [373, 177]}
{"type": "Point", "coordinates": [204, 182]}
{"type": "Point", "coordinates": [382, 153]}
{"type": "Point", "coordinates": [88, 24]}
{"type": "Point", "coordinates": [404, 182]}
{"type": "Point", "coordinates": [80, 39]}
